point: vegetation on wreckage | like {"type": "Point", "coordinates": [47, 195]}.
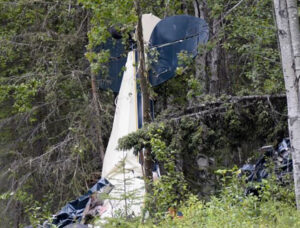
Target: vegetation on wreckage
{"type": "Point", "coordinates": [228, 137]}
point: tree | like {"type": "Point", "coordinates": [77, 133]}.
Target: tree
{"type": "Point", "coordinates": [289, 41]}
{"type": "Point", "coordinates": [97, 108]}
{"type": "Point", "coordinates": [123, 15]}
{"type": "Point", "coordinates": [145, 86]}
{"type": "Point", "coordinates": [47, 120]}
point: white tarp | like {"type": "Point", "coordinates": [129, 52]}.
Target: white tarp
{"type": "Point", "coordinates": [122, 168]}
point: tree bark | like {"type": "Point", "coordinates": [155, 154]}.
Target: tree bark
{"type": "Point", "coordinates": [295, 33]}
{"type": "Point", "coordinates": [214, 67]}
{"type": "Point", "coordinates": [201, 59]}
{"type": "Point", "coordinates": [224, 75]}
{"type": "Point", "coordinates": [167, 8]}
{"type": "Point", "coordinates": [199, 9]}
{"type": "Point", "coordinates": [97, 107]}
{"type": "Point", "coordinates": [294, 117]}
{"type": "Point", "coordinates": [196, 8]}
{"type": "Point", "coordinates": [144, 83]}
{"type": "Point", "coordinates": [288, 35]}
{"type": "Point", "coordinates": [184, 6]}
{"type": "Point", "coordinates": [200, 71]}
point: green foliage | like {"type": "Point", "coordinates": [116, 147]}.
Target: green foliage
{"type": "Point", "coordinates": [274, 208]}
{"type": "Point", "coordinates": [171, 188]}
{"type": "Point", "coordinates": [119, 14]}
{"type": "Point", "coordinates": [37, 211]}
{"type": "Point", "coordinates": [226, 138]}
{"type": "Point", "coordinates": [251, 40]}
{"type": "Point", "coordinates": [47, 119]}
{"type": "Point", "coordinates": [121, 223]}
{"type": "Point", "coordinates": [248, 58]}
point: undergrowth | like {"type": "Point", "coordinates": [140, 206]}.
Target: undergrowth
{"type": "Point", "coordinates": [274, 206]}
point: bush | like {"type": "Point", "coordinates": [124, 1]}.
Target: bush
{"type": "Point", "coordinates": [274, 207]}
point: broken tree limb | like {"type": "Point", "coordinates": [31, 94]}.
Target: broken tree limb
{"type": "Point", "coordinates": [222, 105]}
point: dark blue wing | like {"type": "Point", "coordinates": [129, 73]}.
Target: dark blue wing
{"type": "Point", "coordinates": [171, 36]}
{"type": "Point", "coordinates": [116, 63]}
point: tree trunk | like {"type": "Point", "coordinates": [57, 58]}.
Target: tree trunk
{"type": "Point", "coordinates": [196, 8]}
{"type": "Point", "coordinates": [201, 59]}
{"type": "Point", "coordinates": [167, 8]}
{"type": "Point", "coordinates": [97, 107]}
{"type": "Point", "coordinates": [199, 9]}
{"type": "Point", "coordinates": [294, 116]}
{"type": "Point", "coordinates": [145, 93]}
{"type": "Point", "coordinates": [295, 34]}
{"type": "Point", "coordinates": [200, 71]}
{"type": "Point", "coordinates": [214, 80]}
{"type": "Point", "coordinates": [288, 36]}
{"type": "Point", "coordinates": [224, 76]}
{"type": "Point", "coordinates": [184, 6]}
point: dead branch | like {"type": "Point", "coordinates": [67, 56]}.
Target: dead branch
{"type": "Point", "coordinates": [221, 105]}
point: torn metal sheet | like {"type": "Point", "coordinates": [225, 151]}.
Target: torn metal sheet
{"type": "Point", "coordinates": [283, 166]}
{"type": "Point", "coordinates": [73, 210]}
